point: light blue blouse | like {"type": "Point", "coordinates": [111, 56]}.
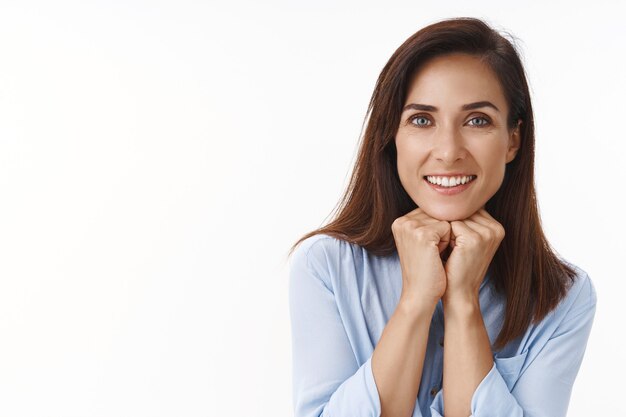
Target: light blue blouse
{"type": "Point", "coordinates": [340, 299]}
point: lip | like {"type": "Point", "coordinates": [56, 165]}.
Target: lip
{"type": "Point", "coordinates": [450, 174]}
{"type": "Point", "coordinates": [450, 190]}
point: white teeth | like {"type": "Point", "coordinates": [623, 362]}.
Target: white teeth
{"type": "Point", "coordinates": [450, 181]}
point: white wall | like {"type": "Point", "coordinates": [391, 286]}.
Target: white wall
{"type": "Point", "coordinates": [158, 158]}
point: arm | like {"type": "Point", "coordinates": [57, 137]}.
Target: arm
{"type": "Point", "coordinates": [327, 380]}
{"type": "Point", "coordinates": [537, 382]}
{"type": "Point", "coordinates": [398, 359]}
{"type": "Point", "coordinates": [467, 356]}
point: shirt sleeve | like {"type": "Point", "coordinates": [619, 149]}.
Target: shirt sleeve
{"type": "Point", "coordinates": [327, 380]}
{"type": "Point", "coordinates": [545, 385]}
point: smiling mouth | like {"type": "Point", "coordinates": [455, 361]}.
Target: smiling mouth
{"type": "Point", "coordinates": [449, 182]}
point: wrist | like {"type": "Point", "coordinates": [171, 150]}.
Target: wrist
{"type": "Point", "coordinates": [416, 308]}
{"type": "Point", "coordinates": [460, 304]}
{"type": "Point", "coordinates": [460, 296]}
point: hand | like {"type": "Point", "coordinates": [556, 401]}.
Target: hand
{"type": "Point", "coordinates": [420, 239]}
{"type": "Point", "coordinates": [475, 241]}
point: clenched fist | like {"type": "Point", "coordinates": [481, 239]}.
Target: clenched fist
{"type": "Point", "coordinates": [474, 241]}
{"type": "Point", "coordinates": [420, 241]}
{"type": "Point", "coordinates": [441, 259]}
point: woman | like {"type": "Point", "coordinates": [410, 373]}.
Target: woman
{"type": "Point", "coordinates": [438, 238]}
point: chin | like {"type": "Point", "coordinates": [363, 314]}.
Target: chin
{"type": "Point", "coordinates": [449, 212]}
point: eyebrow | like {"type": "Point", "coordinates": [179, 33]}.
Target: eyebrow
{"type": "Point", "coordinates": [469, 106]}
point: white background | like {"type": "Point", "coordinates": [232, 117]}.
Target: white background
{"type": "Point", "coordinates": [158, 158]}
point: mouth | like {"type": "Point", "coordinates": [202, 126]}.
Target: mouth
{"type": "Point", "coordinates": [449, 181]}
{"type": "Point", "coordinates": [449, 185]}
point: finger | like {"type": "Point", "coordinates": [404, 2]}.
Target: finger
{"type": "Point", "coordinates": [442, 228]}
{"type": "Point", "coordinates": [441, 234]}
{"type": "Point", "coordinates": [480, 218]}
{"type": "Point", "coordinates": [484, 218]}
{"type": "Point", "coordinates": [422, 217]}
{"type": "Point", "coordinates": [445, 237]}
{"type": "Point", "coordinates": [477, 226]}
{"type": "Point", "coordinates": [491, 234]}
{"type": "Point", "coordinates": [484, 214]}
{"type": "Point", "coordinates": [458, 229]}
{"type": "Point", "coordinates": [484, 229]}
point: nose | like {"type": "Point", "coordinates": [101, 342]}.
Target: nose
{"type": "Point", "coordinates": [449, 145]}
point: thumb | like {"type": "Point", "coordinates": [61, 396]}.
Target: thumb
{"type": "Point", "coordinates": [458, 229]}
{"type": "Point", "coordinates": [442, 229]}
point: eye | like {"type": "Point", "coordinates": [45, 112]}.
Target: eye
{"type": "Point", "coordinates": [422, 121]}
{"type": "Point", "coordinates": [483, 121]}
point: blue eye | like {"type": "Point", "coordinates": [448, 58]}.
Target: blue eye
{"type": "Point", "coordinates": [422, 121]}
{"type": "Point", "coordinates": [485, 121]}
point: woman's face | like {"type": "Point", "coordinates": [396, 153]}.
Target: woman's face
{"type": "Point", "coordinates": [453, 127]}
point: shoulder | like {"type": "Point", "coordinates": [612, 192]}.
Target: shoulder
{"type": "Point", "coordinates": [318, 248]}
{"type": "Point", "coordinates": [320, 255]}
{"type": "Point", "coordinates": [572, 316]}
{"type": "Point", "coordinates": [583, 290]}
{"type": "Point", "coordinates": [316, 244]}
{"type": "Point", "coordinates": [581, 296]}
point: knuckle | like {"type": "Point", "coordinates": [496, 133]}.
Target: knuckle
{"type": "Point", "coordinates": [397, 223]}
{"type": "Point", "coordinates": [421, 233]}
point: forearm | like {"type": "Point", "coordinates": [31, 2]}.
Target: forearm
{"type": "Point", "coordinates": [467, 356]}
{"type": "Point", "coordinates": [398, 359]}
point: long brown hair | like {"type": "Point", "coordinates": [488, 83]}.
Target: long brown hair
{"type": "Point", "coordinates": [525, 269]}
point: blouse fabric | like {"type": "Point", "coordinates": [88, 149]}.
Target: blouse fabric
{"type": "Point", "coordinates": [340, 299]}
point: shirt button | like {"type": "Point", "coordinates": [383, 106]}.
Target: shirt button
{"type": "Point", "coordinates": [441, 342]}
{"type": "Point", "coordinates": [433, 391]}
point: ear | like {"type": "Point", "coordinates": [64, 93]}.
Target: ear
{"type": "Point", "coordinates": [514, 142]}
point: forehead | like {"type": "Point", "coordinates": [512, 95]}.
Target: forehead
{"type": "Point", "coordinates": [454, 79]}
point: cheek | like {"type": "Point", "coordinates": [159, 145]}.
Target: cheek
{"type": "Point", "coordinates": [408, 160]}
{"type": "Point", "coordinates": [494, 168]}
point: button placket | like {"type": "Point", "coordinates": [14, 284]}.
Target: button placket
{"type": "Point", "coordinates": [438, 319]}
